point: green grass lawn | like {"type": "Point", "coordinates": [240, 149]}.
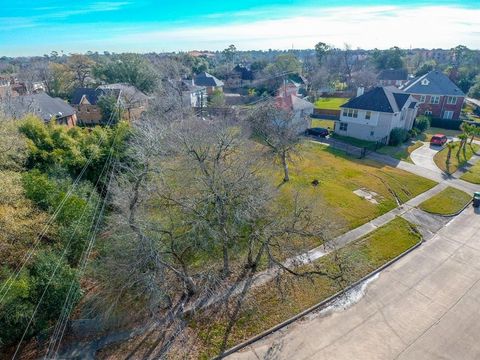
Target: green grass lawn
{"type": "Point", "coordinates": [269, 308]}
{"type": "Point", "coordinates": [456, 160]}
{"type": "Point", "coordinates": [447, 202]}
{"type": "Point", "coordinates": [322, 123]}
{"type": "Point", "coordinates": [401, 152]}
{"type": "Point", "coordinates": [330, 103]}
{"type": "Point", "coordinates": [473, 174]}
{"type": "Point", "coordinates": [354, 141]}
{"type": "Point", "coordinates": [339, 175]}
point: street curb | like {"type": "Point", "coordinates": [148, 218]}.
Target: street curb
{"type": "Point", "coordinates": [323, 303]}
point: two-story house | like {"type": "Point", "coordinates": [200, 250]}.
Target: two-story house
{"type": "Point", "coordinates": [372, 115]}
{"type": "Point", "coordinates": [437, 95]}
{"type": "Point", "coordinates": [86, 102]}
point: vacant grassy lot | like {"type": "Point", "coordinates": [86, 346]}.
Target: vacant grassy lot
{"type": "Point", "coordinates": [401, 152]}
{"type": "Point", "coordinates": [327, 124]}
{"type": "Point", "coordinates": [473, 174]}
{"type": "Point", "coordinates": [330, 103]}
{"type": "Point", "coordinates": [447, 202]}
{"type": "Point", "coordinates": [267, 307]}
{"type": "Point", "coordinates": [338, 176]}
{"type": "Point", "coordinates": [457, 159]}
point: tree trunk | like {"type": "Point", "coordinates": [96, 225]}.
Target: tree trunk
{"type": "Point", "coordinates": [286, 176]}
{"type": "Point", "coordinates": [449, 156]}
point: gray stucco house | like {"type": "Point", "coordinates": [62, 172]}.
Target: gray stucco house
{"type": "Point", "coordinates": [372, 115]}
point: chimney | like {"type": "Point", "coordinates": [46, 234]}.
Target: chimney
{"type": "Point", "coordinates": [360, 91]}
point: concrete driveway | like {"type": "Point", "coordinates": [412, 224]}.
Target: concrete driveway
{"type": "Point", "coordinates": [425, 306]}
{"type": "Point", "coordinates": [423, 157]}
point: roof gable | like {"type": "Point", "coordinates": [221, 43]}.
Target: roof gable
{"type": "Point", "coordinates": [433, 83]}
{"type": "Point", "coordinates": [382, 99]}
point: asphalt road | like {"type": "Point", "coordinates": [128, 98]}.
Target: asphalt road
{"type": "Point", "coordinates": [425, 306]}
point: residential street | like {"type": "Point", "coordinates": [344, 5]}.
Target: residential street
{"type": "Point", "coordinates": [425, 306]}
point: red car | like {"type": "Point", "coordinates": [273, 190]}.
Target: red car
{"type": "Point", "coordinates": [438, 139]}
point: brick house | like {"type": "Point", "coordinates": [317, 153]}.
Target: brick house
{"type": "Point", "coordinates": [372, 116]}
{"type": "Point", "coordinates": [85, 100]}
{"type": "Point", "coordinates": [437, 95]}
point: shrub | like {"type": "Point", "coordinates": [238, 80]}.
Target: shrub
{"type": "Point", "coordinates": [422, 123]}
{"type": "Point", "coordinates": [26, 290]}
{"type": "Point", "coordinates": [398, 136]}
{"type": "Point", "coordinates": [75, 216]}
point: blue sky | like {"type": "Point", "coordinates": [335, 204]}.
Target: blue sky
{"type": "Point", "coordinates": [36, 27]}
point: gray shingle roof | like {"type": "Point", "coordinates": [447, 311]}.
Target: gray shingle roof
{"type": "Point", "coordinates": [90, 93]}
{"type": "Point", "coordinates": [387, 99]}
{"type": "Point", "coordinates": [205, 79]}
{"type": "Point", "coordinates": [393, 74]}
{"type": "Point", "coordinates": [128, 93]}
{"type": "Point", "coordinates": [42, 105]}
{"type": "Point", "coordinates": [433, 83]}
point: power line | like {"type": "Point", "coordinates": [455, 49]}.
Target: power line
{"type": "Point", "coordinates": [13, 277]}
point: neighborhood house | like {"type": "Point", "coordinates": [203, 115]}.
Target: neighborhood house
{"type": "Point", "coordinates": [129, 98]}
{"type": "Point", "coordinates": [394, 77]}
{"type": "Point", "coordinates": [210, 82]}
{"type": "Point", "coordinates": [41, 105]}
{"type": "Point", "coordinates": [437, 95]}
{"type": "Point", "coordinates": [372, 115]}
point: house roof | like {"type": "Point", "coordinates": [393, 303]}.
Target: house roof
{"type": "Point", "coordinates": [127, 92]}
{"type": "Point", "coordinates": [292, 102]}
{"type": "Point", "coordinates": [393, 74]}
{"type": "Point", "coordinates": [387, 99]}
{"type": "Point", "coordinates": [432, 83]}
{"type": "Point", "coordinates": [244, 72]}
{"type": "Point", "coordinates": [188, 85]}
{"type": "Point", "coordinates": [205, 79]}
{"type": "Point", "coordinates": [41, 105]}
{"type": "Point", "coordinates": [89, 93]}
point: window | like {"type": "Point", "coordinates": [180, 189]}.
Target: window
{"type": "Point", "coordinates": [428, 113]}
{"type": "Point", "coordinates": [425, 82]}
{"type": "Point", "coordinates": [350, 113]}
{"type": "Point", "coordinates": [343, 126]}
{"type": "Point", "coordinates": [368, 115]}
{"type": "Point", "coordinates": [451, 100]}
{"type": "Point", "coordinates": [435, 99]}
{"type": "Point", "coordinates": [422, 98]}
{"type": "Point", "coordinates": [448, 115]}
{"type": "Point", "coordinates": [372, 133]}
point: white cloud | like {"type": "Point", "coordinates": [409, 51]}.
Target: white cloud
{"type": "Point", "coordinates": [365, 27]}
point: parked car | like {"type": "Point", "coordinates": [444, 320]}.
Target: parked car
{"type": "Point", "coordinates": [438, 139]}
{"type": "Point", "coordinates": [322, 132]}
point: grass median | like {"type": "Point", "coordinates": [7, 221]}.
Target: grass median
{"type": "Point", "coordinates": [447, 202]}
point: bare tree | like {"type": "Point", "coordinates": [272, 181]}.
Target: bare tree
{"type": "Point", "coordinates": [193, 223]}
{"type": "Point", "coordinates": [279, 129]}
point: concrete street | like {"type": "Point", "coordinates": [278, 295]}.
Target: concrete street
{"type": "Point", "coordinates": [425, 306]}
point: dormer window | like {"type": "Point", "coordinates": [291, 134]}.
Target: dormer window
{"type": "Point", "coordinates": [425, 82]}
